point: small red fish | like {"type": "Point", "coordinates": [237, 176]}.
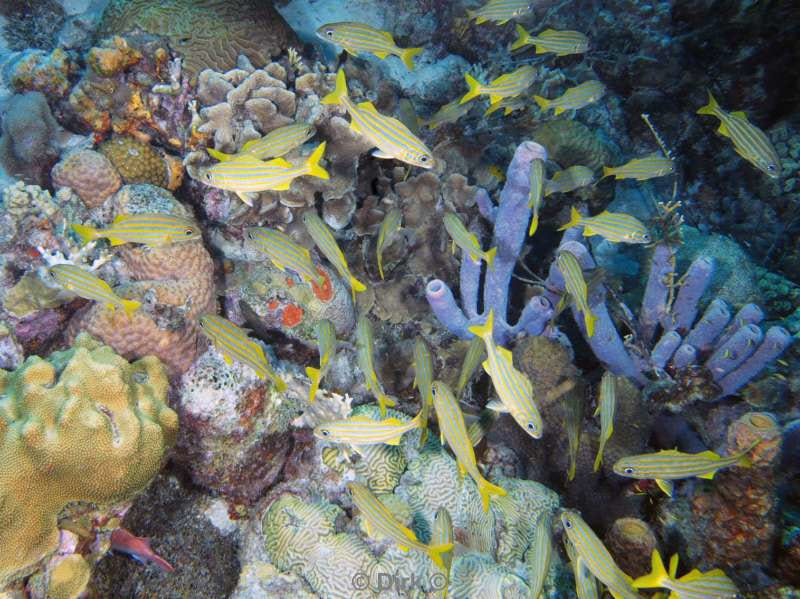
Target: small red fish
{"type": "Point", "coordinates": [138, 548]}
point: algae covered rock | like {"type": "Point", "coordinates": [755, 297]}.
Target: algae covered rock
{"type": "Point", "coordinates": [84, 425]}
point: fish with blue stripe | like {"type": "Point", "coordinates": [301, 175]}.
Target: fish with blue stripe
{"type": "Point", "coordinates": [750, 142]}
{"type": "Point", "coordinates": [585, 582]}
{"type": "Point", "coordinates": [454, 430]}
{"type": "Point", "coordinates": [326, 342]}
{"type": "Point", "coordinates": [360, 430]}
{"type": "Point", "coordinates": [365, 340]}
{"type": "Point", "coordinates": [274, 144]}
{"type": "Point", "coordinates": [390, 136]}
{"type": "Point", "coordinates": [561, 43]}
{"type": "Point", "coordinates": [597, 558]}
{"type": "Point", "coordinates": [449, 113]}
{"type": "Point", "coordinates": [500, 11]}
{"type": "Point", "coordinates": [234, 344]}
{"type": "Point", "coordinates": [617, 227]}
{"type": "Point", "coordinates": [569, 179]}
{"type": "Point", "coordinates": [323, 238]}
{"type": "Point", "coordinates": [574, 98]}
{"type": "Point", "coordinates": [541, 549]}
{"type": "Point", "coordinates": [641, 169]}
{"type": "Point", "coordinates": [575, 284]}
{"type": "Point", "coordinates": [284, 253]}
{"type": "Point", "coordinates": [389, 227]}
{"type": "Point", "coordinates": [378, 519]}
{"type": "Point", "coordinates": [606, 407]}
{"type": "Point", "coordinates": [89, 286]}
{"type": "Point", "coordinates": [149, 228]}
{"type": "Point", "coordinates": [360, 37]}
{"type": "Point", "coordinates": [476, 353]}
{"type": "Point", "coordinates": [670, 464]}
{"type": "Point", "coordinates": [507, 105]}
{"type": "Point", "coordinates": [512, 386]}
{"type": "Point", "coordinates": [714, 584]}
{"type": "Point", "coordinates": [246, 174]}
{"type": "Point", "coordinates": [423, 381]}
{"type": "Point", "coordinates": [443, 534]}
{"type": "Point", "coordinates": [467, 241]}
{"type": "Point", "coordinates": [509, 84]}
{"type": "Point", "coordinates": [536, 193]}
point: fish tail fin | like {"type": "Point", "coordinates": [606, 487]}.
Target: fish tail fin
{"type": "Point", "coordinates": [484, 330]}
{"type": "Point", "coordinates": [574, 218]}
{"type": "Point", "coordinates": [407, 56]}
{"type": "Point", "coordinates": [534, 224]}
{"type": "Point", "coordinates": [521, 40]}
{"type": "Point", "coordinates": [490, 254]}
{"type": "Point", "coordinates": [280, 384]}
{"type": "Point", "coordinates": [487, 489]}
{"type": "Point", "coordinates": [312, 164]}
{"type": "Point", "coordinates": [608, 171]}
{"type": "Point", "coordinates": [435, 551]}
{"type": "Point", "coordinates": [380, 265]}
{"type": "Point", "coordinates": [339, 92]}
{"type": "Point", "coordinates": [598, 459]}
{"type": "Point", "coordinates": [711, 108]}
{"type": "Point", "coordinates": [85, 232]}
{"type": "Point", "coordinates": [130, 306]}
{"type": "Point", "coordinates": [474, 88]}
{"type": "Point", "coordinates": [314, 375]}
{"type": "Point", "coordinates": [589, 319]}
{"type": "Point", "coordinates": [221, 156]}
{"type": "Point", "coordinates": [657, 575]}
{"type": "Point", "coordinates": [542, 102]}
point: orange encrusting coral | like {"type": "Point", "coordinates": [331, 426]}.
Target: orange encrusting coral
{"type": "Point", "coordinates": [292, 315]}
{"type": "Point", "coordinates": [323, 292]}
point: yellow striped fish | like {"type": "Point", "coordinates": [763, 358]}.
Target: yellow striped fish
{"type": "Point", "coordinates": [594, 554]}
{"type": "Point", "coordinates": [423, 381]}
{"type": "Point", "coordinates": [365, 341]}
{"type": "Point", "coordinates": [642, 169]}
{"type": "Point", "coordinates": [585, 582]}
{"type": "Point", "coordinates": [467, 241]}
{"type": "Point", "coordinates": [449, 113]}
{"type": "Point", "coordinates": [536, 193]}
{"type": "Point", "coordinates": [562, 43]}
{"type": "Point", "coordinates": [574, 98]}
{"type": "Point", "coordinates": [750, 142]}
{"type": "Point", "coordinates": [713, 584]}
{"type": "Point", "coordinates": [389, 226]}
{"type": "Point", "coordinates": [569, 179]}
{"type": "Point", "coordinates": [476, 353]}
{"type": "Point", "coordinates": [359, 37]}
{"type": "Point", "coordinates": [234, 344]}
{"type": "Point", "coordinates": [454, 431]}
{"type": "Point", "coordinates": [613, 226]}
{"type": "Point", "coordinates": [542, 549]}
{"type": "Point", "coordinates": [510, 84]}
{"type": "Point", "coordinates": [512, 386]}
{"type": "Point", "coordinates": [392, 138]}
{"type": "Point", "coordinates": [443, 534]}
{"type": "Point", "coordinates": [274, 144]}
{"type": "Point", "coordinates": [360, 430]}
{"type": "Point", "coordinates": [324, 240]}
{"type": "Point", "coordinates": [507, 105]}
{"type": "Point", "coordinates": [500, 11]}
{"type": "Point", "coordinates": [326, 341]}
{"type": "Point", "coordinates": [149, 228]}
{"type": "Point", "coordinates": [284, 252]}
{"type": "Point", "coordinates": [575, 285]}
{"type": "Point", "coordinates": [573, 416]}
{"type": "Point", "coordinates": [88, 286]}
{"type": "Point", "coordinates": [670, 464]}
{"type": "Point", "coordinates": [606, 407]}
{"type": "Point", "coordinates": [247, 174]}
{"type": "Point", "coordinates": [378, 519]}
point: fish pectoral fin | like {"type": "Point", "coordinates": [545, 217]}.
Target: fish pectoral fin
{"type": "Point", "coordinates": [227, 359]}
{"type": "Point", "coordinates": [381, 55]}
{"type": "Point", "coordinates": [381, 154]}
{"type": "Point", "coordinates": [369, 106]}
{"type": "Point", "coordinates": [279, 266]}
{"type": "Point", "coordinates": [497, 406]}
{"type": "Point", "coordinates": [279, 162]}
{"type": "Point", "coordinates": [666, 486]}
{"type": "Point", "coordinates": [494, 98]}
{"type": "Point", "coordinates": [739, 114]}
{"type": "Point", "coordinates": [723, 130]}
{"type": "Point", "coordinates": [394, 440]}
{"type": "Point", "coordinates": [245, 197]}
{"type": "Point", "coordinates": [461, 470]}
{"type": "Point", "coordinates": [282, 186]}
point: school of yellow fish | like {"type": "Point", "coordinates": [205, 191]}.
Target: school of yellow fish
{"type": "Point", "coordinates": [260, 165]}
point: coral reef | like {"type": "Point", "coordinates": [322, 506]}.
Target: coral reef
{"type": "Point", "coordinates": [90, 174]}
{"type": "Point", "coordinates": [81, 426]}
{"type": "Point", "coordinates": [28, 146]}
{"type": "Point", "coordinates": [135, 161]}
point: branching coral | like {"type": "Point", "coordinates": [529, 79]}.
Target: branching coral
{"type": "Point", "coordinates": [83, 425]}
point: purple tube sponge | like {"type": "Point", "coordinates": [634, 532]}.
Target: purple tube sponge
{"type": "Point", "coordinates": [775, 343]}
{"type": "Point", "coordinates": [695, 283]}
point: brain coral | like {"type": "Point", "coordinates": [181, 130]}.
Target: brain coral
{"type": "Point", "coordinates": [90, 174]}
{"type": "Point", "coordinates": [209, 33]}
{"type": "Point", "coordinates": [83, 425]}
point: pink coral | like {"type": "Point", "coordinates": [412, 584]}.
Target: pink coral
{"type": "Point", "coordinates": [90, 174]}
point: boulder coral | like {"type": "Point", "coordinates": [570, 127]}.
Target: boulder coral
{"type": "Point", "coordinates": [83, 425]}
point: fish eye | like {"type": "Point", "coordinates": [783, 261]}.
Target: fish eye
{"type": "Point", "coordinates": [531, 427]}
{"type": "Point", "coordinates": [567, 523]}
{"type": "Point", "coordinates": [189, 232]}
{"type": "Point", "coordinates": [646, 237]}
{"type": "Point", "coordinates": [423, 158]}
{"type": "Point", "coordinates": [329, 33]}
{"type": "Point", "coordinates": [325, 432]}
{"type": "Point", "coordinates": [772, 168]}
{"type": "Point", "coordinates": [628, 470]}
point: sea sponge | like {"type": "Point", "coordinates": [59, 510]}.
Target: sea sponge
{"type": "Point", "coordinates": [36, 70]}
{"type": "Point", "coordinates": [136, 161]}
{"type": "Point", "coordinates": [570, 143]}
{"type": "Point", "coordinates": [90, 174]}
{"type": "Point", "coordinates": [29, 144]}
{"type": "Point", "coordinates": [208, 33]}
{"type": "Point", "coordinates": [83, 425]}
{"type": "Point", "coordinates": [69, 578]}
{"type": "Point", "coordinates": [631, 541]}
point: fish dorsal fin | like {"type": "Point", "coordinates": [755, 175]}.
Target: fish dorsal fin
{"type": "Point", "coordinates": [381, 54]}
{"type": "Point", "coordinates": [693, 575]}
{"type": "Point", "coordinates": [547, 32]}
{"type": "Point", "coordinates": [709, 454]}
{"type": "Point", "coordinates": [497, 406]}
{"type": "Point", "coordinates": [116, 241]}
{"type": "Point", "coordinates": [393, 422]}
{"type": "Point", "coordinates": [279, 162]}
{"type": "Point", "coordinates": [739, 115]}
{"type": "Point", "coordinates": [505, 353]}
{"type": "Point", "coordinates": [666, 486]}
{"type": "Point", "coordinates": [369, 106]}
{"type": "Point", "coordinates": [121, 218]}
{"type": "Point", "coordinates": [249, 145]}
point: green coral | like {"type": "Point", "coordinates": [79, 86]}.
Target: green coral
{"type": "Point", "coordinates": [83, 425]}
{"type": "Point", "coordinates": [208, 33]}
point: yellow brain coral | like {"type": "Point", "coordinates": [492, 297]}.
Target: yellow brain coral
{"type": "Point", "coordinates": [83, 425]}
